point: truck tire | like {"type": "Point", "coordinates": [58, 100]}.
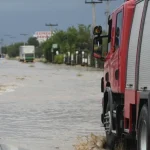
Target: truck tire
{"type": "Point", "coordinates": [110, 137]}
{"type": "Point", "coordinates": [142, 142]}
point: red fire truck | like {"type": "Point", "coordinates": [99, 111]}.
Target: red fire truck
{"type": "Point", "coordinates": [126, 81]}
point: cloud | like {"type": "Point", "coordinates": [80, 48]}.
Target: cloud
{"type": "Point", "coordinates": [31, 15]}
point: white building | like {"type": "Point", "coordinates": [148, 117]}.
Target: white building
{"type": "Point", "coordinates": [42, 36]}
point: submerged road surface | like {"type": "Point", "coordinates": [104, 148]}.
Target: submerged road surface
{"type": "Point", "coordinates": [46, 107]}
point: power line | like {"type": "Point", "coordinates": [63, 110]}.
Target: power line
{"type": "Point", "coordinates": [24, 34]}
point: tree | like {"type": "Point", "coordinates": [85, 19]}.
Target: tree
{"type": "Point", "coordinates": [13, 50]}
{"type": "Point", "coordinates": [4, 49]}
{"type": "Point", "coordinates": [38, 52]}
{"type": "Point", "coordinates": [69, 40]}
{"type": "Point", "coordinates": [33, 41]}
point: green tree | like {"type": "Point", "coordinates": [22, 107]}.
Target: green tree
{"type": "Point", "coordinates": [46, 46]}
{"type": "Point", "coordinates": [13, 50]}
{"type": "Point", "coordinates": [4, 49]}
{"type": "Point", "coordinates": [33, 41]}
{"type": "Point", "coordinates": [69, 40]}
{"type": "Point", "coordinates": [38, 52]}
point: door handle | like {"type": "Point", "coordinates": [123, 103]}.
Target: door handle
{"type": "Point", "coordinates": [129, 85]}
{"type": "Point", "coordinates": [144, 88]}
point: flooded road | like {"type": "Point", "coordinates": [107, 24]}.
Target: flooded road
{"type": "Point", "coordinates": [46, 107]}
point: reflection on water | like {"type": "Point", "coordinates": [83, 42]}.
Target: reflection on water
{"type": "Point", "coordinates": [50, 105]}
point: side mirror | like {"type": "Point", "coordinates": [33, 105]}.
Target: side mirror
{"type": "Point", "coordinates": [97, 30]}
{"type": "Point", "coordinates": [97, 47]}
{"type": "Point", "coordinates": [97, 43]}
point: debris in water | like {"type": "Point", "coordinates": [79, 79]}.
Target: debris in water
{"type": "Point", "coordinates": [91, 143]}
{"type": "Point", "coordinates": [79, 75]}
{"type": "Point", "coordinates": [20, 78]}
{"type": "Point", "coordinates": [31, 66]}
{"type": "Point", "coordinates": [57, 147]}
{"type": "Point", "coordinates": [2, 88]}
{"type": "Point", "coordinates": [119, 146]}
{"type": "Point", "coordinates": [6, 88]}
{"type": "Point", "coordinates": [4, 75]}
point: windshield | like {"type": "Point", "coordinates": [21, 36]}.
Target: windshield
{"type": "Point", "coordinates": [29, 55]}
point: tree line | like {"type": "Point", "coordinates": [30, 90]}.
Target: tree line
{"type": "Point", "coordinates": [72, 40]}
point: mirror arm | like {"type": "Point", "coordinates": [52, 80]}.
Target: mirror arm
{"type": "Point", "coordinates": [102, 59]}
{"type": "Point", "coordinates": [99, 57]}
{"type": "Point", "coordinates": [104, 36]}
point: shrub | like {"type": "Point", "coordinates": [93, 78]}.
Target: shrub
{"type": "Point", "coordinates": [58, 59]}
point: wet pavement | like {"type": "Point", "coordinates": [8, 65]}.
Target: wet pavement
{"type": "Point", "coordinates": [46, 107]}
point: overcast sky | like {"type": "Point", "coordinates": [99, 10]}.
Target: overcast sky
{"type": "Point", "coordinates": [28, 16]}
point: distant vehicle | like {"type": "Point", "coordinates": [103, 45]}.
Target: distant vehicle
{"type": "Point", "coordinates": [2, 56]}
{"type": "Point", "coordinates": [27, 53]}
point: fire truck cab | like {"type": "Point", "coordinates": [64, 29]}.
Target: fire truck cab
{"type": "Point", "coordinates": [126, 80]}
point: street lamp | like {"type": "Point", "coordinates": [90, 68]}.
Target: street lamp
{"type": "Point", "coordinates": [51, 25]}
{"type": "Point", "coordinates": [12, 37]}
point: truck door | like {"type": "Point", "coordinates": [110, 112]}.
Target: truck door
{"type": "Point", "coordinates": [116, 48]}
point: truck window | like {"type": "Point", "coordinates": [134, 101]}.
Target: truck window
{"type": "Point", "coordinates": [118, 30]}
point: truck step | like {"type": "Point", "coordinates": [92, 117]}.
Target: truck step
{"type": "Point", "coordinates": [114, 131]}
{"type": "Point", "coordinates": [106, 117]}
{"type": "Point", "coordinates": [106, 123]}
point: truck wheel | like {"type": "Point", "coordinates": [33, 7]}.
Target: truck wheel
{"type": "Point", "coordinates": [143, 129]}
{"type": "Point", "coordinates": [110, 137]}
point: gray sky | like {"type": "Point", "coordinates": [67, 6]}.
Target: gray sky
{"type": "Point", "coordinates": [28, 16]}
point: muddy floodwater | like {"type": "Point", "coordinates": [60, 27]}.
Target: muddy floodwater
{"type": "Point", "coordinates": [46, 107]}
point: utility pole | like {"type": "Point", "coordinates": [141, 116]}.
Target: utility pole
{"type": "Point", "coordinates": [1, 42]}
{"type": "Point", "coordinates": [107, 13]}
{"type": "Point", "coordinates": [93, 3]}
{"type": "Point", "coordinates": [51, 29]}
{"type": "Point", "coordinates": [24, 35]}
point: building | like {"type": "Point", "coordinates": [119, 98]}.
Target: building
{"type": "Point", "coordinates": [42, 36]}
